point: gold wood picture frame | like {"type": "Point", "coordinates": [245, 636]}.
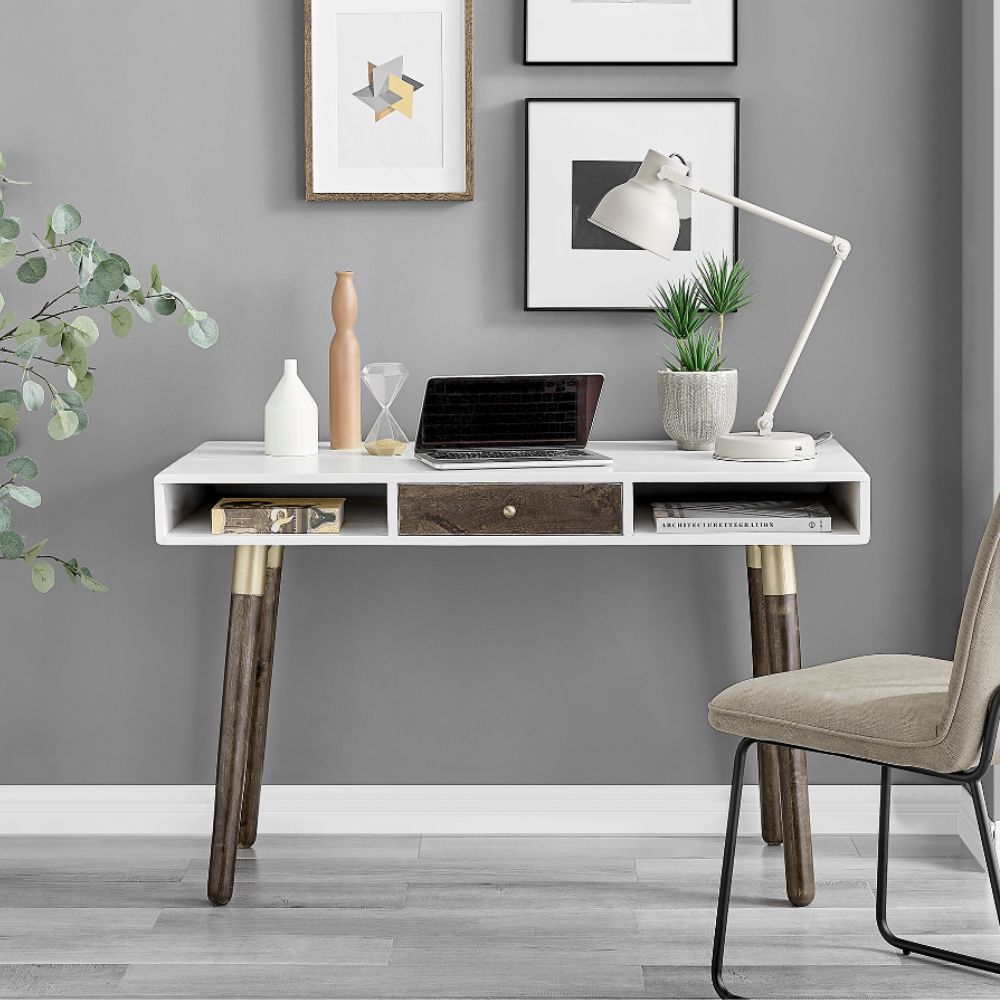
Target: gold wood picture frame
{"type": "Point", "coordinates": [389, 100]}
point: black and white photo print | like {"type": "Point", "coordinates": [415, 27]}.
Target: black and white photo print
{"type": "Point", "coordinates": [577, 151]}
{"type": "Point", "coordinates": [592, 180]}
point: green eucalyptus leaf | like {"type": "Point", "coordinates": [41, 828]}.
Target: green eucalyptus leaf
{"type": "Point", "coordinates": [33, 395]}
{"type": "Point", "coordinates": [27, 349]}
{"type": "Point", "coordinates": [64, 424]}
{"type": "Point", "coordinates": [121, 322]}
{"type": "Point", "coordinates": [11, 396]}
{"type": "Point", "coordinates": [85, 331]}
{"type": "Point", "coordinates": [142, 312]}
{"type": "Point", "coordinates": [28, 330]}
{"type": "Point", "coordinates": [91, 584]}
{"type": "Point", "coordinates": [109, 275]}
{"type": "Point", "coordinates": [204, 333]}
{"type": "Point", "coordinates": [165, 305]}
{"type": "Point", "coordinates": [30, 555]}
{"type": "Point", "coordinates": [155, 280]}
{"type": "Point", "coordinates": [69, 398]}
{"type": "Point", "coordinates": [5, 518]}
{"type": "Point", "coordinates": [7, 442]}
{"type": "Point", "coordinates": [23, 466]}
{"type": "Point", "coordinates": [82, 420]}
{"type": "Point", "coordinates": [78, 367]}
{"type": "Point", "coordinates": [65, 219]}
{"type": "Point", "coordinates": [10, 228]}
{"type": "Point", "coordinates": [85, 385]}
{"type": "Point", "coordinates": [24, 495]}
{"type": "Point", "coordinates": [32, 270]}
{"type": "Point", "coordinates": [93, 295]}
{"type": "Point", "coordinates": [43, 576]}
{"type": "Point", "coordinates": [8, 251]}
{"type": "Point", "coordinates": [126, 267]}
{"type": "Point", "coordinates": [11, 545]}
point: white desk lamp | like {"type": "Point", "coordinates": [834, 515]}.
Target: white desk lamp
{"type": "Point", "coordinates": [643, 211]}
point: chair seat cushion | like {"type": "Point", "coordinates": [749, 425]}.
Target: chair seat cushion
{"type": "Point", "coordinates": [890, 709]}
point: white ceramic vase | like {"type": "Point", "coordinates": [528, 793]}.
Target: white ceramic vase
{"type": "Point", "coordinates": [697, 407]}
{"type": "Point", "coordinates": [291, 417]}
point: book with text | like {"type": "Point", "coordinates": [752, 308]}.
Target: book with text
{"type": "Point", "coordinates": [278, 516]}
{"type": "Point", "coordinates": [741, 515]}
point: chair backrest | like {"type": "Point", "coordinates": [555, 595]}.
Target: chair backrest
{"type": "Point", "coordinates": [975, 676]}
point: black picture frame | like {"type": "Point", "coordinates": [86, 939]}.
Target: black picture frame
{"type": "Point", "coordinates": [525, 61]}
{"type": "Point", "coordinates": [735, 101]}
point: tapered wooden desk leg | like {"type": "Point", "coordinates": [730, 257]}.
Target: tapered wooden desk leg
{"type": "Point", "coordinates": [234, 730]}
{"type": "Point", "coordinates": [781, 605]}
{"type": "Point", "coordinates": [767, 756]}
{"type": "Point", "coordinates": [261, 696]}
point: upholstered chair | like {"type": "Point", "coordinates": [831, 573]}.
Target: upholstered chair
{"type": "Point", "coordinates": [931, 717]}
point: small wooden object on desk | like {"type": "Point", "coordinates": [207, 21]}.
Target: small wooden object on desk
{"type": "Point", "coordinates": [345, 367]}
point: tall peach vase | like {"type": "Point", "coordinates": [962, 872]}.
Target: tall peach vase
{"type": "Point", "coordinates": [345, 367]}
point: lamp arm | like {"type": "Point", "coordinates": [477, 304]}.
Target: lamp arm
{"type": "Point", "coordinates": [841, 249]}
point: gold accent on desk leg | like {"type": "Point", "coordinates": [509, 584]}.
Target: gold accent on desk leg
{"type": "Point", "coordinates": [781, 605]}
{"type": "Point", "coordinates": [234, 729]}
{"type": "Point", "coordinates": [249, 563]}
{"type": "Point", "coordinates": [778, 566]}
{"type": "Point", "coordinates": [769, 783]}
{"type": "Point", "coordinates": [261, 696]}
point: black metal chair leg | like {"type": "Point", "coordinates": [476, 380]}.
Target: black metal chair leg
{"type": "Point", "coordinates": [728, 863]}
{"type": "Point", "coordinates": [986, 837]}
{"type": "Point", "coordinates": [882, 887]}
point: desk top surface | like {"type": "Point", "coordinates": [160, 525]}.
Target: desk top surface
{"type": "Point", "coordinates": [233, 462]}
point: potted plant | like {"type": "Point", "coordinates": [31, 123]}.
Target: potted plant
{"type": "Point", "coordinates": [46, 356]}
{"type": "Point", "coordinates": [697, 394]}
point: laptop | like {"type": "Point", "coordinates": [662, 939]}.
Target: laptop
{"type": "Point", "coordinates": [509, 422]}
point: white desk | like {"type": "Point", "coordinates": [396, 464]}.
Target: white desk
{"type": "Point", "coordinates": [615, 499]}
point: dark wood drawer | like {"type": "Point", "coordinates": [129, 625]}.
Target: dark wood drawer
{"type": "Point", "coordinates": [515, 509]}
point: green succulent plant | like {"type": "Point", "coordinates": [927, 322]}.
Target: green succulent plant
{"type": "Point", "coordinates": [53, 343]}
{"type": "Point", "coordinates": [723, 287]}
{"type": "Point", "coordinates": [680, 315]}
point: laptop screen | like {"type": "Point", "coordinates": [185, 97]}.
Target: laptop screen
{"type": "Point", "coordinates": [503, 411]}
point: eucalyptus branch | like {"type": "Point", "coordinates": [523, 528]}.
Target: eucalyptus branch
{"type": "Point", "coordinates": [58, 246]}
{"type": "Point", "coordinates": [30, 368]}
{"type": "Point", "coordinates": [48, 361]}
{"type": "Point", "coordinates": [107, 282]}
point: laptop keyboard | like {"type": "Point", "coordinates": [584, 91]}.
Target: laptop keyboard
{"type": "Point", "coordinates": [509, 454]}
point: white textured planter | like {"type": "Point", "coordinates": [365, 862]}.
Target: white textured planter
{"type": "Point", "coordinates": [697, 407]}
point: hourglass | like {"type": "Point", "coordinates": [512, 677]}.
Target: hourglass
{"type": "Point", "coordinates": [384, 382]}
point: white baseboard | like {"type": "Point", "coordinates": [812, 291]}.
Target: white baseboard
{"type": "Point", "coordinates": [968, 828]}
{"type": "Point", "coordinates": [624, 810]}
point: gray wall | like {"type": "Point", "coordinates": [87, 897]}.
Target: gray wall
{"type": "Point", "coordinates": [979, 263]}
{"type": "Point", "coordinates": [177, 130]}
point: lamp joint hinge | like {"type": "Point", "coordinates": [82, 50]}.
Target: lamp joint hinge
{"type": "Point", "coordinates": [841, 247]}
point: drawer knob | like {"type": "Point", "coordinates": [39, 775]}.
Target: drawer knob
{"type": "Point", "coordinates": [510, 511]}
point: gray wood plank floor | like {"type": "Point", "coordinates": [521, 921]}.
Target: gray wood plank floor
{"type": "Point", "coordinates": [463, 917]}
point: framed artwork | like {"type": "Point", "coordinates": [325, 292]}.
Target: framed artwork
{"type": "Point", "coordinates": [630, 32]}
{"type": "Point", "coordinates": [577, 149]}
{"type": "Point", "coordinates": [388, 95]}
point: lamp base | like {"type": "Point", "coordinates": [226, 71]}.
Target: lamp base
{"type": "Point", "coordinates": [775, 447]}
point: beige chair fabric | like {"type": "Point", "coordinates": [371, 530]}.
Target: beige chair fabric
{"type": "Point", "coordinates": [906, 710]}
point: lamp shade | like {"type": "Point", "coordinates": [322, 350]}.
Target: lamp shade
{"type": "Point", "coordinates": [644, 209]}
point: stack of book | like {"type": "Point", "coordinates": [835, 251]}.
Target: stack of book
{"type": "Point", "coordinates": [679, 516]}
{"type": "Point", "coordinates": [278, 516]}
